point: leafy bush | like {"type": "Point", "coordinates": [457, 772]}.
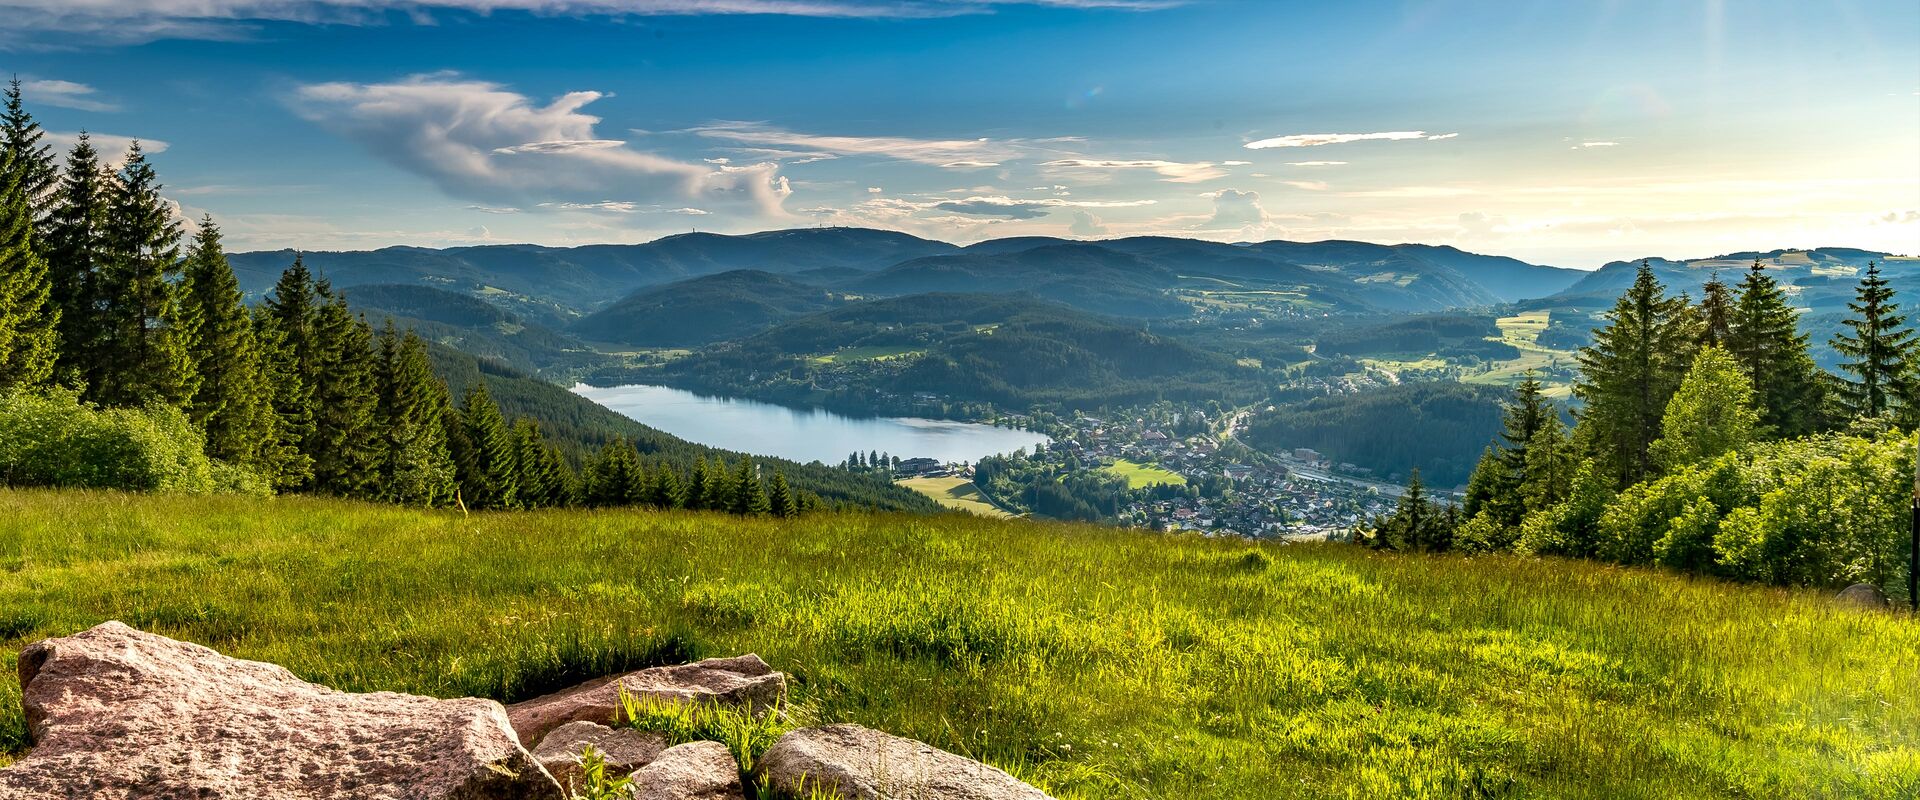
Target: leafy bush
{"type": "Point", "coordinates": [56, 440]}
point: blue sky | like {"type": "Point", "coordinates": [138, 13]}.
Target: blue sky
{"type": "Point", "coordinates": [1562, 132]}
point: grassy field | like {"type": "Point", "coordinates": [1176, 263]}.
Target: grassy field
{"type": "Point", "coordinates": [955, 493]}
{"type": "Point", "coordinates": [1098, 663]}
{"type": "Point", "coordinates": [876, 353]}
{"type": "Point", "coordinates": [1142, 475]}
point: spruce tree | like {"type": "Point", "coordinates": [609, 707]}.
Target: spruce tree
{"type": "Point", "coordinates": [27, 314]}
{"type": "Point", "coordinates": [541, 474]}
{"type": "Point", "coordinates": [77, 254]}
{"type": "Point", "coordinates": [232, 402]}
{"type": "Point", "coordinates": [1764, 338]}
{"type": "Point", "coordinates": [489, 479]}
{"type": "Point", "coordinates": [694, 494]}
{"type": "Point", "coordinates": [288, 403]}
{"type": "Point", "coordinates": [1549, 469]}
{"type": "Point", "coordinates": [1716, 312]}
{"type": "Point", "coordinates": [27, 159]}
{"type": "Point", "coordinates": [780, 498]}
{"type": "Point", "coordinates": [144, 347]}
{"type": "Point", "coordinates": [1878, 348]}
{"type": "Point", "coordinates": [749, 497]}
{"type": "Point", "coordinates": [415, 465]}
{"type": "Point", "coordinates": [1629, 373]}
{"type": "Point", "coordinates": [663, 488]}
{"type": "Point", "coordinates": [345, 401]}
{"type": "Point", "coordinates": [615, 477]}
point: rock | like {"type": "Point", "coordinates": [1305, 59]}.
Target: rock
{"type": "Point", "coordinates": [692, 771]}
{"type": "Point", "coordinates": [743, 681]}
{"type": "Point", "coordinates": [864, 764]}
{"type": "Point", "coordinates": [1864, 595]}
{"type": "Point", "coordinates": [624, 749]}
{"type": "Point", "coordinates": [118, 714]}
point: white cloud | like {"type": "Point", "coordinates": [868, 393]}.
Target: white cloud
{"type": "Point", "coordinates": [1319, 139]}
{"type": "Point", "coordinates": [65, 94]}
{"type": "Point", "coordinates": [1316, 163]}
{"type": "Point", "coordinates": [1233, 208]}
{"type": "Point", "coordinates": [481, 141]}
{"type": "Point", "coordinates": [494, 209]}
{"type": "Point", "coordinates": [1311, 186]}
{"type": "Point", "coordinates": [1172, 171]}
{"type": "Point", "coordinates": [953, 153]}
{"type": "Point", "coordinates": [1085, 224]}
{"type": "Point", "coordinates": [971, 164]}
{"type": "Point", "coordinates": [1585, 145]}
{"type": "Point", "coordinates": [112, 149]}
{"type": "Point", "coordinates": [1011, 208]}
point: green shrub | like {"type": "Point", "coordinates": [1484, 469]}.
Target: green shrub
{"type": "Point", "coordinates": [54, 439]}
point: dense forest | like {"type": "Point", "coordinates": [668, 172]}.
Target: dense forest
{"type": "Point", "coordinates": [1433, 427]}
{"type": "Point", "coordinates": [1709, 442]}
{"type": "Point", "coordinates": [129, 359]}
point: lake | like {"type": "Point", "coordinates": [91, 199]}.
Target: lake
{"type": "Point", "coordinates": [750, 426]}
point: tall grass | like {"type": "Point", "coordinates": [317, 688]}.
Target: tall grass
{"type": "Point", "coordinates": [1096, 663]}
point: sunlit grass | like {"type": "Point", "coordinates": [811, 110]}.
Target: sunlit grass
{"type": "Point", "coordinates": [956, 493]}
{"type": "Point", "coordinates": [1095, 662]}
{"type": "Point", "coordinates": [1140, 475]}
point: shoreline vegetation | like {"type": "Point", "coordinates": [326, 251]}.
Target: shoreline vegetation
{"type": "Point", "coordinates": [1094, 662]}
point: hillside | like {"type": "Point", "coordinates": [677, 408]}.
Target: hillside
{"type": "Point", "coordinates": [703, 310]}
{"type": "Point", "coordinates": [1085, 276]}
{"type": "Point", "coordinates": [1095, 663]}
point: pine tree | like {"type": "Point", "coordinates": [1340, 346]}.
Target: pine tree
{"type": "Point", "coordinates": [29, 161]}
{"type": "Point", "coordinates": [415, 465]}
{"type": "Point", "coordinates": [615, 477]}
{"type": "Point", "coordinates": [1549, 469]}
{"type": "Point", "coordinates": [1414, 525]}
{"type": "Point", "coordinates": [1879, 349]}
{"type": "Point", "coordinates": [1487, 487]}
{"type": "Point", "coordinates": [144, 347]}
{"type": "Point", "coordinates": [1765, 340]}
{"type": "Point", "coordinates": [694, 494]}
{"type": "Point", "coordinates": [488, 481]}
{"type": "Point", "coordinates": [749, 496]}
{"type": "Point", "coordinates": [77, 253]}
{"type": "Point", "coordinates": [663, 488]}
{"type": "Point", "coordinates": [1629, 373]}
{"type": "Point", "coordinates": [27, 314]}
{"type": "Point", "coordinates": [541, 473]}
{"type": "Point", "coordinates": [780, 498]}
{"type": "Point", "coordinates": [289, 403]}
{"type": "Point", "coordinates": [345, 401]}
{"type": "Point", "coordinates": [1712, 413]}
{"type": "Point", "coordinates": [1716, 312]}
{"type": "Point", "coordinates": [232, 402]}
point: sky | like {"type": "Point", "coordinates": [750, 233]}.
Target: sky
{"type": "Point", "coordinates": [1563, 132]}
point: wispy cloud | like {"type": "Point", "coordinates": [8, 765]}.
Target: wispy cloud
{"type": "Point", "coordinates": [112, 149]}
{"type": "Point", "coordinates": [950, 153]}
{"type": "Point", "coordinates": [1316, 163]}
{"type": "Point", "coordinates": [1172, 171]}
{"type": "Point", "coordinates": [65, 94]}
{"type": "Point", "coordinates": [1587, 145]}
{"type": "Point", "coordinates": [1321, 139]}
{"type": "Point", "coordinates": [481, 141]}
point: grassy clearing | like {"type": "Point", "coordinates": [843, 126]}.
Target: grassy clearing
{"type": "Point", "coordinates": [1142, 475]}
{"type": "Point", "coordinates": [876, 353]}
{"type": "Point", "coordinates": [1098, 663]}
{"type": "Point", "coordinates": [955, 493]}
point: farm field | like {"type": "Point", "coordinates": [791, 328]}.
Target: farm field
{"type": "Point", "coordinates": [1141, 475]}
{"type": "Point", "coordinates": [955, 493]}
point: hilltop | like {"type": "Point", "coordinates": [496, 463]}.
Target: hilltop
{"type": "Point", "coordinates": [1093, 662]}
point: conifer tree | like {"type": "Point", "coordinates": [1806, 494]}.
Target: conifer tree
{"type": "Point", "coordinates": [77, 253]}
{"type": "Point", "coordinates": [1415, 524]}
{"type": "Point", "coordinates": [694, 494]}
{"type": "Point", "coordinates": [780, 498]}
{"type": "Point", "coordinates": [1629, 373]}
{"type": "Point", "coordinates": [1488, 486]}
{"type": "Point", "coordinates": [1764, 338]}
{"type": "Point", "coordinates": [1712, 413]}
{"type": "Point", "coordinates": [749, 497]}
{"type": "Point", "coordinates": [144, 349]}
{"type": "Point", "coordinates": [288, 402]}
{"type": "Point", "coordinates": [1716, 312]}
{"type": "Point", "coordinates": [717, 492]}
{"type": "Point", "coordinates": [1549, 469]}
{"type": "Point", "coordinates": [541, 474]}
{"type": "Point", "coordinates": [416, 467]}
{"type": "Point", "coordinates": [345, 401]}
{"type": "Point", "coordinates": [488, 480]}
{"type": "Point", "coordinates": [663, 488]}
{"type": "Point", "coordinates": [232, 401]}
{"type": "Point", "coordinates": [31, 162]}
{"type": "Point", "coordinates": [615, 477]}
{"type": "Point", "coordinates": [1878, 348]}
{"type": "Point", "coordinates": [27, 314]}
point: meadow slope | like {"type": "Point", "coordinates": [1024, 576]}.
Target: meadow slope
{"type": "Point", "coordinates": [1097, 663]}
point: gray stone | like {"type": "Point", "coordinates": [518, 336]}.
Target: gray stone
{"type": "Point", "coordinates": [1864, 595]}
{"type": "Point", "coordinates": [864, 764]}
{"type": "Point", "coordinates": [692, 771]}
{"type": "Point", "coordinates": [742, 681]}
{"type": "Point", "coordinates": [624, 750]}
{"type": "Point", "coordinates": [119, 714]}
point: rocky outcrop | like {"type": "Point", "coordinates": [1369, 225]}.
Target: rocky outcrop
{"type": "Point", "coordinates": [118, 714]}
{"type": "Point", "coordinates": [743, 681]}
{"type": "Point", "coordinates": [623, 749]}
{"type": "Point", "coordinates": [864, 764]}
{"type": "Point", "coordinates": [692, 771]}
{"type": "Point", "coordinates": [1864, 595]}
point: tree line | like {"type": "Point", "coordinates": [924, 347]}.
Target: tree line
{"type": "Point", "coordinates": [106, 304]}
{"type": "Point", "coordinates": [1708, 441]}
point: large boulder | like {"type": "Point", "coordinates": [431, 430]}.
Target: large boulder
{"type": "Point", "coordinates": [692, 771]}
{"type": "Point", "coordinates": [859, 763]}
{"type": "Point", "coordinates": [623, 749]}
{"type": "Point", "coordinates": [742, 681]}
{"type": "Point", "coordinates": [118, 714]}
{"type": "Point", "coordinates": [1864, 595]}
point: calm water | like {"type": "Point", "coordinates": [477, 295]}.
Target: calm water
{"type": "Point", "coordinates": [760, 428]}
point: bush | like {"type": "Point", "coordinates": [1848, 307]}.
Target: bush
{"type": "Point", "coordinates": [54, 439]}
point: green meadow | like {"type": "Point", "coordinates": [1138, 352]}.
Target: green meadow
{"type": "Point", "coordinates": [1096, 663]}
{"type": "Point", "coordinates": [1140, 475]}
